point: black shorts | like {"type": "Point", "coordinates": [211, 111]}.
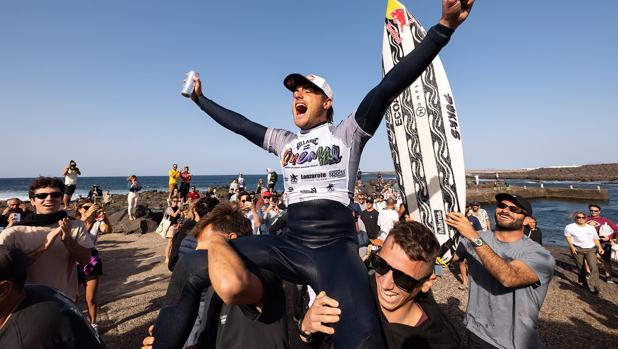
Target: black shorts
{"type": "Point", "coordinates": [69, 190]}
{"type": "Point", "coordinates": [97, 271]}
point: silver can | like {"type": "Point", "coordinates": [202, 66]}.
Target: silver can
{"type": "Point", "coordinates": [187, 88]}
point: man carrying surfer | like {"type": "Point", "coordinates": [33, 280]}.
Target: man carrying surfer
{"type": "Point", "coordinates": [319, 167]}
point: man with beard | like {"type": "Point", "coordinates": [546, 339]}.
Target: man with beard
{"type": "Point", "coordinates": [509, 276]}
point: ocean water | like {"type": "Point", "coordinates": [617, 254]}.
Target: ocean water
{"type": "Point", "coordinates": [552, 215]}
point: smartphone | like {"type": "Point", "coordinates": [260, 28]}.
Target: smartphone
{"type": "Point", "coordinates": [17, 217]}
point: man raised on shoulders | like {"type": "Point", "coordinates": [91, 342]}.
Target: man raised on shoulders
{"type": "Point", "coordinates": [509, 276]}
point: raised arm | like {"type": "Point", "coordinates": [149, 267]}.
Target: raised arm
{"type": "Point", "coordinates": [512, 273]}
{"type": "Point", "coordinates": [372, 108]}
{"type": "Point", "coordinates": [227, 118]}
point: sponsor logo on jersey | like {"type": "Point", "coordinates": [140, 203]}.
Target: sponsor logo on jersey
{"type": "Point", "coordinates": [306, 143]}
{"type": "Point", "coordinates": [324, 156]}
{"type": "Point", "coordinates": [309, 191]}
{"type": "Point", "coordinates": [336, 173]}
{"type": "Point", "coordinates": [290, 189]}
{"type": "Point", "coordinates": [331, 187]}
{"type": "Point", "coordinates": [312, 176]}
{"type": "Point", "coordinates": [293, 179]}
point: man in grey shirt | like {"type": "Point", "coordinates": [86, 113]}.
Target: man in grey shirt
{"type": "Point", "coordinates": [509, 276]}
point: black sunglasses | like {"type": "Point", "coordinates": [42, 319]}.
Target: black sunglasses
{"type": "Point", "coordinates": [511, 208]}
{"type": "Point", "coordinates": [43, 196]}
{"type": "Point", "coordinates": [402, 280]}
{"type": "Point", "coordinates": [580, 217]}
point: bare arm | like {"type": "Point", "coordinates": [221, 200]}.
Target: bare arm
{"type": "Point", "coordinates": [570, 242]}
{"type": "Point", "coordinates": [228, 274]}
{"type": "Point", "coordinates": [513, 273]}
{"type": "Point", "coordinates": [78, 253]}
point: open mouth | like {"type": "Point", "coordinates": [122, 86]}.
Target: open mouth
{"type": "Point", "coordinates": [301, 108]}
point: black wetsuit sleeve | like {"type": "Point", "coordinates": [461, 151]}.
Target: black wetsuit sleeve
{"type": "Point", "coordinates": [181, 304]}
{"type": "Point", "coordinates": [372, 108]}
{"type": "Point", "coordinates": [233, 121]}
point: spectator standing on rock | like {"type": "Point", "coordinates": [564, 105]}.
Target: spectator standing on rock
{"type": "Point", "coordinates": [185, 184]}
{"type": "Point", "coordinates": [52, 241]}
{"type": "Point", "coordinates": [95, 222]}
{"type": "Point", "coordinates": [70, 182]}
{"type": "Point", "coordinates": [607, 233]}
{"type": "Point", "coordinates": [584, 244]}
{"type": "Point", "coordinates": [173, 175]}
{"type": "Point", "coordinates": [509, 277]}
{"type": "Point", "coordinates": [481, 215]}
{"type": "Point", "coordinates": [134, 188]}
{"type": "Point", "coordinates": [37, 316]}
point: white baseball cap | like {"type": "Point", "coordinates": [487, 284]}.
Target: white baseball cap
{"type": "Point", "coordinates": [293, 80]}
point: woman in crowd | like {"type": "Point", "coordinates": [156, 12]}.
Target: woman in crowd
{"type": "Point", "coordinates": [95, 221]}
{"type": "Point", "coordinates": [134, 188]}
{"type": "Point", "coordinates": [584, 243]}
{"type": "Point", "coordinates": [174, 214]}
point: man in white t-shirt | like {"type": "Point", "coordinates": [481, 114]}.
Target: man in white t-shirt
{"type": "Point", "coordinates": [481, 215]}
{"type": "Point", "coordinates": [387, 219]}
{"type": "Point", "coordinates": [70, 182]}
{"type": "Point", "coordinates": [584, 243]}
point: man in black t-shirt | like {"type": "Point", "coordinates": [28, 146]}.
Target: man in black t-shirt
{"type": "Point", "coordinates": [37, 316]}
{"type": "Point", "coordinates": [370, 219]}
{"type": "Point", "coordinates": [253, 318]}
{"type": "Point", "coordinates": [401, 279]}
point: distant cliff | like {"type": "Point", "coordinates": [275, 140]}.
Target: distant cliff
{"type": "Point", "coordinates": [600, 172]}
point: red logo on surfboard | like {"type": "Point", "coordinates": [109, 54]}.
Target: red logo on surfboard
{"type": "Point", "coordinates": [399, 16]}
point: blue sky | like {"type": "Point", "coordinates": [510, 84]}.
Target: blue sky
{"type": "Point", "coordinates": [535, 83]}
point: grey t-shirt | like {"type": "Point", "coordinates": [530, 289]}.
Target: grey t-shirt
{"type": "Point", "coordinates": [320, 163]}
{"type": "Point", "coordinates": [506, 317]}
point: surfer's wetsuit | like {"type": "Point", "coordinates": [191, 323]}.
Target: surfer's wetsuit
{"type": "Point", "coordinates": [320, 248]}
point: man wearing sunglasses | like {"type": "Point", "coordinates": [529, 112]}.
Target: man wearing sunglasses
{"type": "Point", "coordinates": [401, 276]}
{"type": "Point", "coordinates": [51, 240]}
{"type": "Point", "coordinates": [607, 230]}
{"type": "Point", "coordinates": [509, 274]}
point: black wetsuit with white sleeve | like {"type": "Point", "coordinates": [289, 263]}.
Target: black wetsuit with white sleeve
{"type": "Point", "coordinates": [319, 170]}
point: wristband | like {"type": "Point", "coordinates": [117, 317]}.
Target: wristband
{"type": "Point", "coordinates": [309, 337]}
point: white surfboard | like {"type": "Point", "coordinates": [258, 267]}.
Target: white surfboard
{"type": "Point", "coordinates": [423, 131]}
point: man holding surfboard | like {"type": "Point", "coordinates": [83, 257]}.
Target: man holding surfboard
{"type": "Point", "coordinates": [320, 163]}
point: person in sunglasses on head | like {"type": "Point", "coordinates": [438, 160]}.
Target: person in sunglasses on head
{"type": "Point", "coordinates": [400, 275]}
{"type": "Point", "coordinates": [509, 275]}
{"type": "Point", "coordinates": [52, 242]}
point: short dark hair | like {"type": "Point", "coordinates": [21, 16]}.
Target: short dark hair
{"type": "Point", "coordinates": [594, 205]}
{"type": "Point", "coordinates": [225, 218]}
{"type": "Point", "coordinates": [45, 182]}
{"type": "Point", "coordinates": [13, 266]}
{"type": "Point", "coordinates": [418, 242]}
{"type": "Point", "coordinates": [205, 205]}
{"type": "Point", "coordinates": [329, 114]}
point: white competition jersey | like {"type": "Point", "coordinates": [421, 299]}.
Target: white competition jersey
{"type": "Point", "coordinates": [320, 163]}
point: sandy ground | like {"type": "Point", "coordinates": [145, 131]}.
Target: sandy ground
{"type": "Point", "coordinates": [135, 281]}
